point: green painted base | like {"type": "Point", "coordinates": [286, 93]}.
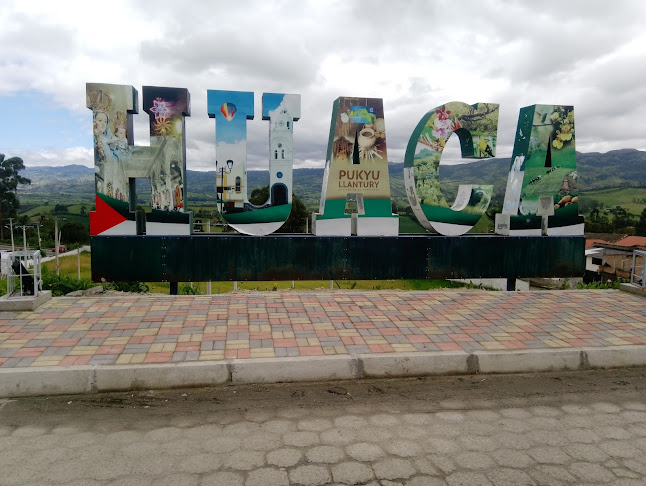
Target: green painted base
{"type": "Point", "coordinates": [199, 258]}
{"type": "Point", "coordinates": [265, 215]}
{"type": "Point", "coordinates": [447, 215]}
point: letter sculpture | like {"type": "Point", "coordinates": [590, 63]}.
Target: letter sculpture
{"type": "Point", "coordinates": [231, 110]}
{"type": "Point", "coordinates": [118, 163]}
{"type": "Point", "coordinates": [356, 170]}
{"type": "Point", "coordinates": [541, 195]}
{"type": "Point", "coordinates": [477, 128]}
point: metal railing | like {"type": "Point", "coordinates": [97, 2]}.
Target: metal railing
{"type": "Point", "coordinates": [638, 274]}
{"type": "Point", "coordinates": [20, 281]}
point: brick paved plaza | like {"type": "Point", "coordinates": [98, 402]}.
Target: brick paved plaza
{"type": "Point", "coordinates": [105, 330]}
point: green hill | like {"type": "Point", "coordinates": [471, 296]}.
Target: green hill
{"type": "Point", "coordinates": [74, 184]}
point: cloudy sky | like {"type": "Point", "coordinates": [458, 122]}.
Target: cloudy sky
{"type": "Point", "coordinates": [415, 55]}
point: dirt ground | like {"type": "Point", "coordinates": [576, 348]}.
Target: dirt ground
{"type": "Point", "coordinates": [429, 394]}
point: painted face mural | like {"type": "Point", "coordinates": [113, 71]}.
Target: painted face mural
{"type": "Point", "coordinates": [542, 194]}
{"type": "Point", "coordinates": [231, 110]}
{"type": "Point", "coordinates": [476, 127]}
{"type": "Point", "coordinates": [118, 163]}
{"type": "Point", "coordinates": [355, 197]}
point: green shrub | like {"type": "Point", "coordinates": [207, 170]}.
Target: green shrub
{"type": "Point", "coordinates": [135, 287]}
{"type": "Point", "coordinates": [602, 285]}
{"type": "Point", "coordinates": [188, 289]}
{"type": "Point", "coordinates": [61, 285]}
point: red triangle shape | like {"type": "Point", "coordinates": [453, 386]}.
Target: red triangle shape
{"type": "Point", "coordinates": [104, 217]}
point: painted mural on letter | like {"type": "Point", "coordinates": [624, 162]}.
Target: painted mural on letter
{"type": "Point", "coordinates": [355, 197]}
{"type": "Point", "coordinates": [543, 173]}
{"type": "Point", "coordinates": [118, 162]}
{"type": "Point", "coordinates": [476, 126]}
{"type": "Point", "coordinates": [231, 110]}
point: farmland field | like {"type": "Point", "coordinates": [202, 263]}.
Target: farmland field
{"type": "Point", "coordinates": [625, 197]}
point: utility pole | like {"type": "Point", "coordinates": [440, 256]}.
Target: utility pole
{"type": "Point", "coordinates": [208, 284]}
{"type": "Point", "coordinates": [24, 236]}
{"type": "Point", "coordinates": [56, 243]}
{"type": "Point", "coordinates": [37, 225]}
{"type": "Point", "coordinates": [13, 248]}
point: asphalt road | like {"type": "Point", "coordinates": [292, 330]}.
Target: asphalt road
{"type": "Point", "coordinates": [558, 428]}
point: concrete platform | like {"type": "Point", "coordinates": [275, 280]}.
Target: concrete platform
{"type": "Point", "coordinates": [101, 343]}
{"type": "Point", "coordinates": [633, 289]}
{"type": "Point", "coordinates": [24, 303]}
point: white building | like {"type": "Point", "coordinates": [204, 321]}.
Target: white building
{"type": "Point", "coordinates": [281, 135]}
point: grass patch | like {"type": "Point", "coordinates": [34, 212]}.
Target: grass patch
{"type": "Point", "coordinates": [199, 288]}
{"type": "Point", "coordinates": [68, 268]}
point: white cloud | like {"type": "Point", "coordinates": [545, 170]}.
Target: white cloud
{"type": "Point", "coordinates": [415, 55]}
{"type": "Point", "coordinates": [53, 157]}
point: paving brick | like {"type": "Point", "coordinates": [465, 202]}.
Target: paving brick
{"type": "Point", "coordinates": [365, 452]}
{"type": "Point", "coordinates": [352, 473]}
{"type": "Point", "coordinates": [310, 475]}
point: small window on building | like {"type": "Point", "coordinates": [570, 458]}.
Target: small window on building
{"type": "Point", "coordinates": [597, 261]}
{"type": "Point", "coordinates": [238, 184]}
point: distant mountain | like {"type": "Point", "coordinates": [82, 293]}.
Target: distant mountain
{"type": "Point", "coordinates": [618, 168]}
{"type": "Point", "coordinates": [59, 182]}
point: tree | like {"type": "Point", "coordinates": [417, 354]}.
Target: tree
{"type": "Point", "coordinates": [621, 220]}
{"type": "Point", "coordinates": [9, 181]}
{"type": "Point", "coordinates": [640, 227]}
{"type": "Point", "coordinates": [60, 209]}
{"type": "Point", "coordinates": [75, 232]}
{"type": "Point", "coordinates": [296, 221]}
{"type": "Point", "coordinates": [47, 228]}
{"type": "Point", "coordinates": [598, 222]}
{"type": "Point", "coordinates": [259, 196]}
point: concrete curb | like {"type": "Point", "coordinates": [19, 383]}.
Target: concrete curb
{"type": "Point", "coordinates": [415, 364]}
{"type": "Point", "coordinates": [146, 377]}
{"type": "Point", "coordinates": [70, 380]}
{"type": "Point", "coordinates": [285, 370]}
{"type": "Point", "coordinates": [619, 357]}
{"type": "Point", "coordinates": [29, 382]}
{"type": "Point", "coordinates": [529, 361]}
